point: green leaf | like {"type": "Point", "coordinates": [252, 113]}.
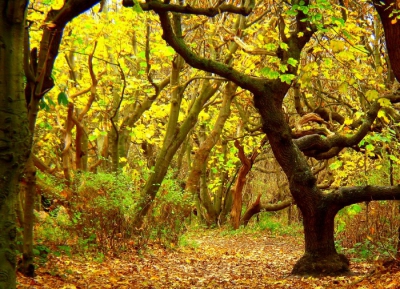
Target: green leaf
{"type": "Point", "coordinates": [62, 99]}
{"type": "Point", "coordinates": [292, 62]}
{"type": "Point", "coordinates": [136, 7]}
{"type": "Point", "coordinates": [270, 46]}
{"type": "Point", "coordinates": [269, 73]}
{"type": "Point", "coordinates": [369, 147]}
{"type": "Point", "coordinates": [355, 209]}
{"type": "Point", "coordinates": [337, 21]}
{"type": "Point", "coordinates": [43, 105]}
{"type": "Point", "coordinates": [287, 78]}
{"type": "Point", "coordinates": [92, 137]}
{"type": "Point", "coordinates": [283, 68]}
{"type": "Point", "coordinates": [335, 165]}
{"type": "Point", "coordinates": [284, 46]}
{"type": "Point", "coordinates": [50, 101]}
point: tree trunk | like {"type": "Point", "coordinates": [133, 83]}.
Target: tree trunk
{"type": "Point", "coordinates": [172, 141]}
{"type": "Point", "coordinates": [66, 153]}
{"type": "Point", "coordinates": [391, 27]}
{"type": "Point", "coordinates": [14, 132]}
{"type": "Point", "coordinates": [113, 135]}
{"type": "Point", "coordinates": [201, 156]}
{"type": "Point", "coordinates": [210, 215]}
{"type": "Point", "coordinates": [223, 175]}
{"type": "Point", "coordinates": [320, 257]}
{"type": "Point", "coordinates": [27, 266]}
{"type": "Point", "coordinates": [247, 163]}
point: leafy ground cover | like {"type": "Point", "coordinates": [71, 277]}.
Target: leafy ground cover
{"type": "Point", "coordinates": [204, 260]}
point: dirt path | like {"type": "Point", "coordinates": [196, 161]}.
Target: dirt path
{"type": "Point", "coordinates": [207, 261]}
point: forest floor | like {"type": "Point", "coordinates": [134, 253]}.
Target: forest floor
{"type": "Point", "coordinates": [206, 260]}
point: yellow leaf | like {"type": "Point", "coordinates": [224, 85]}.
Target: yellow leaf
{"type": "Point", "coordinates": [382, 114]}
{"type": "Point", "coordinates": [69, 286]}
{"type": "Point", "coordinates": [336, 45]}
{"type": "Point", "coordinates": [348, 121]}
{"type": "Point", "coordinates": [343, 87]}
{"type": "Point", "coordinates": [394, 21]}
{"type": "Point", "coordinates": [371, 95]}
{"type": "Point", "coordinates": [384, 102]}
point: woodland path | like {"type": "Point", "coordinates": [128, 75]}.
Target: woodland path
{"type": "Point", "coordinates": [206, 261]}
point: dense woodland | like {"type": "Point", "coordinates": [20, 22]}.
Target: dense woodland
{"type": "Point", "coordinates": [125, 123]}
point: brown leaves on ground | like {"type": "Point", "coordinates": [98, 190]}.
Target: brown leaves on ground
{"type": "Point", "coordinates": [211, 261]}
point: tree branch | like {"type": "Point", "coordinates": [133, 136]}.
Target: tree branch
{"type": "Point", "coordinates": [346, 196]}
{"type": "Point", "coordinates": [159, 6]}
{"type": "Point", "coordinates": [241, 79]}
{"type": "Point", "coordinates": [321, 147]}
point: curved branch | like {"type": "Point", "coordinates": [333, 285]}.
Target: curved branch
{"type": "Point", "coordinates": [159, 6]}
{"type": "Point", "coordinates": [321, 147]}
{"type": "Point", "coordinates": [258, 207]}
{"type": "Point", "coordinates": [71, 9]}
{"type": "Point", "coordinates": [245, 81]}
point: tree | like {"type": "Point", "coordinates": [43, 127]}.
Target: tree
{"type": "Point", "coordinates": [38, 67]}
{"type": "Point", "coordinates": [318, 208]}
{"type": "Point", "coordinates": [14, 133]}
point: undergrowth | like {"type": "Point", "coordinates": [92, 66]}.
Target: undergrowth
{"type": "Point", "coordinates": [94, 217]}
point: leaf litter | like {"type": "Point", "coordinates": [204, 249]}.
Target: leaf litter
{"type": "Point", "coordinates": [212, 261]}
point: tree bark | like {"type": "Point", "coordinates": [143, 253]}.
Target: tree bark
{"type": "Point", "coordinates": [239, 184]}
{"type": "Point", "coordinates": [14, 131]}
{"type": "Point", "coordinates": [237, 191]}
{"type": "Point", "coordinates": [391, 26]}
{"type": "Point", "coordinates": [320, 257]}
